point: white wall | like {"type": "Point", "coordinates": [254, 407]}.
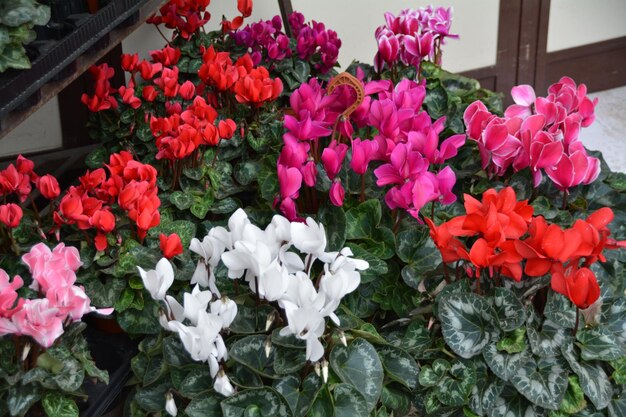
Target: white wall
{"type": "Point", "coordinates": [580, 22]}
{"type": "Point", "coordinates": [475, 21]}
{"type": "Point", "coordinates": [40, 132]}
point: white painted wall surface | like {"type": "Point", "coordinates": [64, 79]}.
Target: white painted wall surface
{"type": "Point", "coordinates": [580, 22]}
{"type": "Point", "coordinates": [40, 132]}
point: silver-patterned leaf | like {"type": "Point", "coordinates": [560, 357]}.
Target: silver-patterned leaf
{"type": "Point", "coordinates": [359, 365]}
{"type": "Point", "coordinates": [560, 310]}
{"type": "Point", "coordinates": [510, 311]}
{"type": "Point", "coordinates": [542, 381]}
{"type": "Point", "coordinates": [599, 343]}
{"type": "Point", "coordinates": [511, 404]}
{"type": "Point", "coordinates": [263, 402]}
{"type": "Point", "coordinates": [467, 323]}
{"type": "Point", "coordinates": [484, 395]}
{"type": "Point", "coordinates": [615, 319]}
{"type": "Point", "coordinates": [457, 385]}
{"type": "Point", "coordinates": [503, 364]}
{"type": "Point", "coordinates": [593, 379]}
{"type": "Point", "coordinates": [547, 340]}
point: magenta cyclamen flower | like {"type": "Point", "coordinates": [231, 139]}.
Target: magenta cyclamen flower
{"type": "Point", "coordinates": [540, 133]}
{"type": "Point", "coordinates": [412, 36]}
{"type": "Point", "coordinates": [333, 157]}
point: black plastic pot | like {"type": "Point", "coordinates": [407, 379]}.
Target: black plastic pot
{"type": "Point", "coordinates": [112, 352]}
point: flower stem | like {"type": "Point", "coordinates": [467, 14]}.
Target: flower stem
{"type": "Point", "coordinates": [362, 188]}
{"type": "Point", "coordinates": [564, 204]}
{"type": "Point", "coordinates": [576, 323]}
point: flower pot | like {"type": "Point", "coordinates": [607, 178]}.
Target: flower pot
{"type": "Point", "coordinates": [104, 324]}
{"type": "Point", "coordinates": [112, 352]}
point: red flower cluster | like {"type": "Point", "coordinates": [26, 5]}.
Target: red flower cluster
{"type": "Point", "coordinates": [17, 180]}
{"type": "Point", "coordinates": [102, 99]}
{"type": "Point", "coordinates": [181, 133]}
{"type": "Point", "coordinates": [184, 16]}
{"type": "Point", "coordinates": [131, 184]}
{"type": "Point", "coordinates": [508, 234]}
{"type": "Point", "coordinates": [250, 85]}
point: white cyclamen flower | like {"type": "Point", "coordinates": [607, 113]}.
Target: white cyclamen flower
{"type": "Point", "coordinates": [309, 238]}
{"type": "Point", "coordinates": [307, 324]}
{"type": "Point", "coordinates": [273, 282]}
{"type": "Point", "coordinates": [226, 309]}
{"type": "Point", "coordinates": [158, 281]}
{"type": "Point", "coordinates": [222, 385]}
{"type": "Point", "coordinates": [236, 224]}
{"type": "Point", "coordinates": [170, 404]}
{"type": "Point", "coordinates": [210, 248]}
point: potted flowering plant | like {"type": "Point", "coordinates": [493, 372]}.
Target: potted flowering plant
{"type": "Point", "coordinates": [437, 254]}
{"type": "Point", "coordinates": [45, 358]}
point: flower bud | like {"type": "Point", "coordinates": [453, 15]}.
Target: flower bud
{"type": "Point", "coordinates": [170, 404]}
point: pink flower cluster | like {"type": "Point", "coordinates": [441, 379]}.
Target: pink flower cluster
{"type": "Point", "coordinates": [540, 133]}
{"type": "Point", "coordinates": [315, 42]}
{"type": "Point", "coordinates": [412, 36]}
{"type": "Point", "coordinates": [264, 37]}
{"type": "Point", "coordinates": [407, 144]}
{"type": "Point", "coordinates": [54, 275]}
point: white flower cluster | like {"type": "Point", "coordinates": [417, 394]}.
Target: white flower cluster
{"type": "Point", "coordinates": [276, 273]}
{"type": "Point", "coordinates": [264, 258]}
{"type": "Point", "coordinates": [205, 318]}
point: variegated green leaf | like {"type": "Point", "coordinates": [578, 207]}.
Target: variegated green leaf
{"type": "Point", "coordinates": [615, 319]}
{"type": "Point", "coordinates": [399, 365]}
{"type": "Point", "coordinates": [574, 399]}
{"type": "Point", "coordinates": [547, 340]}
{"type": "Point", "coordinates": [348, 401]}
{"type": "Point", "coordinates": [250, 352]}
{"type": "Point", "coordinates": [511, 404]}
{"type": "Point", "coordinates": [456, 386]}
{"type": "Point", "coordinates": [560, 310]}
{"type": "Point", "coordinates": [510, 311]}
{"type": "Point", "coordinates": [617, 407]}
{"type": "Point", "coordinates": [359, 365]}
{"type": "Point", "coordinates": [599, 344]}
{"type": "Point", "coordinates": [264, 402]}
{"type": "Point", "coordinates": [593, 379]}
{"type": "Point", "coordinates": [503, 364]}
{"type": "Point", "coordinates": [542, 381]}
{"type": "Point", "coordinates": [513, 342]}
{"type": "Point", "coordinates": [483, 396]}
{"type": "Point", "coordinates": [467, 323]}
{"type": "Point", "coordinates": [299, 397]}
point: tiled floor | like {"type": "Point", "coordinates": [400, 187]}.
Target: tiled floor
{"type": "Point", "coordinates": [608, 132]}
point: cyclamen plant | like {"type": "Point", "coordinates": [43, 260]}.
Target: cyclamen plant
{"type": "Point", "coordinates": [45, 357]}
{"type": "Point", "coordinates": [274, 273]}
{"type": "Point", "coordinates": [407, 144]}
{"type": "Point", "coordinates": [538, 133]}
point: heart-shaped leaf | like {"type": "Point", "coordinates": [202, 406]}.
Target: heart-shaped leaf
{"type": "Point", "coordinates": [250, 352]}
{"type": "Point", "coordinates": [599, 344]}
{"type": "Point", "coordinates": [264, 402]}
{"type": "Point", "coordinates": [348, 401]}
{"type": "Point", "coordinates": [467, 323]}
{"type": "Point", "coordinates": [510, 311]}
{"type": "Point", "coordinates": [560, 310]}
{"type": "Point", "coordinates": [457, 385]}
{"type": "Point", "coordinates": [503, 364]}
{"type": "Point", "coordinates": [593, 379]}
{"type": "Point", "coordinates": [359, 365]}
{"type": "Point", "coordinates": [542, 381]}
{"type": "Point", "coordinates": [399, 365]}
{"type": "Point", "coordinates": [299, 397]}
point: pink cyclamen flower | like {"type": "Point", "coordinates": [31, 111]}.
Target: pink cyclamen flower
{"type": "Point", "coordinates": [337, 193]}
{"type": "Point", "coordinates": [571, 170]}
{"type": "Point", "coordinates": [332, 158]}
{"type": "Point", "coordinates": [52, 268]}
{"type": "Point", "coordinates": [290, 181]}
{"type": "Point", "coordinates": [363, 152]}
{"type": "Point", "coordinates": [39, 320]}
{"type": "Point", "coordinates": [9, 300]}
